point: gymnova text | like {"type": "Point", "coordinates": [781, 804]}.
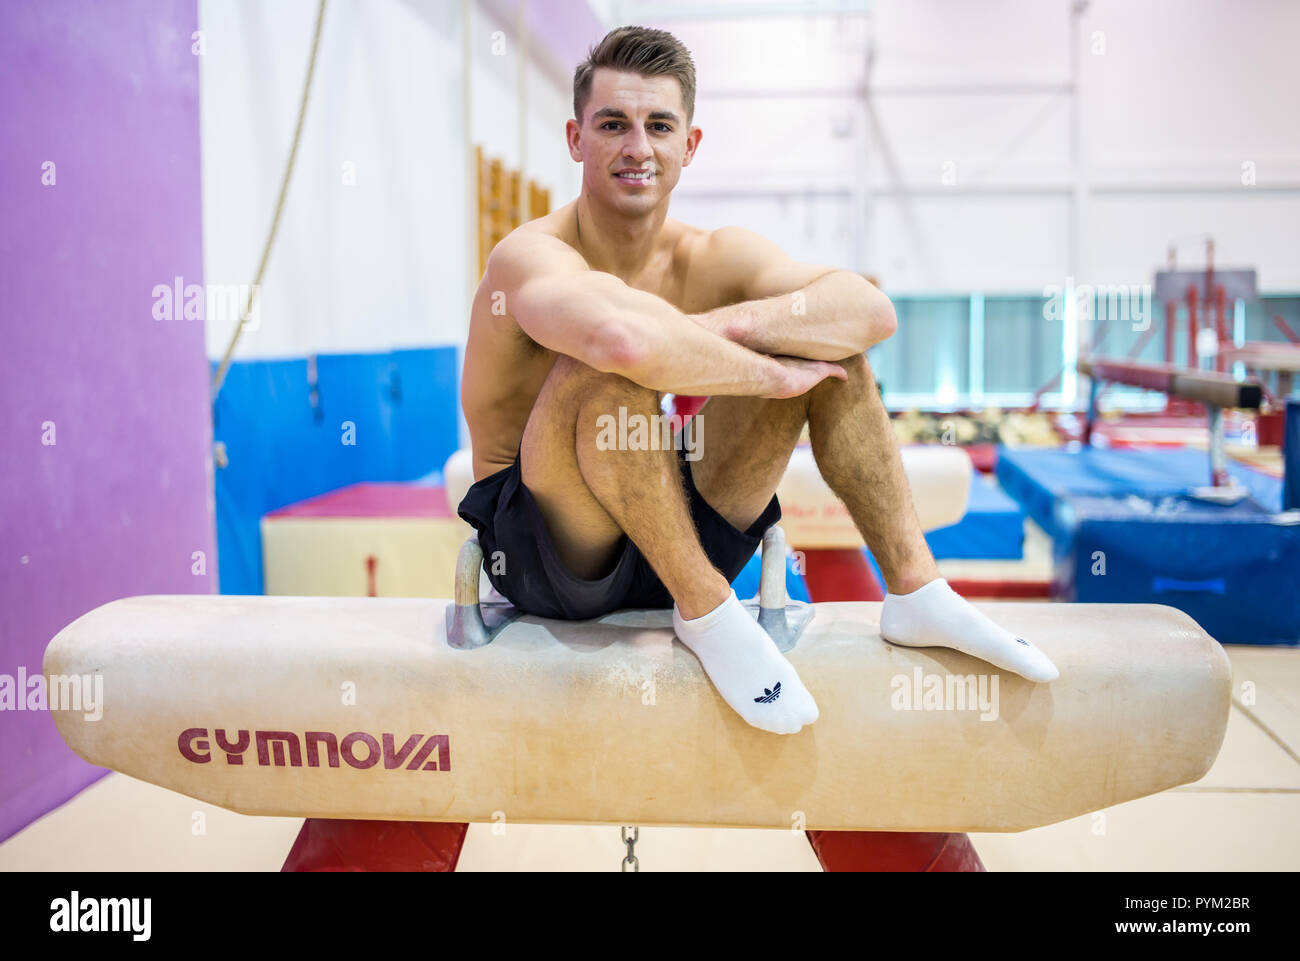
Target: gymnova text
{"type": "Point", "coordinates": [283, 749]}
{"type": "Point", "coordinates": [58, 692]}
{"type": "Point", "coordinates": [76, 914]}
{"type": "Point", "coordinates": [945, 692]}
{"type": "Point", "coordinates": [650, 432]}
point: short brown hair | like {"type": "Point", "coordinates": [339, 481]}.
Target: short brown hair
{"type": "Point", "coordinates": [639, 50]}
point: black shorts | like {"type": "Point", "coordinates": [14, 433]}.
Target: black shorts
{"type": "Point", "coordinates": [536, 581]}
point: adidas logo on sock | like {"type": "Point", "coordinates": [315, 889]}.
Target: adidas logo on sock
{"type": "Point", "coordinates": [769, 695]}
{"type": "Point", "coordinates": [1021, 640]}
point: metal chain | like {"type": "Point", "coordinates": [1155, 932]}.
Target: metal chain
{"type": "Point", "coordinates": [631, 857]}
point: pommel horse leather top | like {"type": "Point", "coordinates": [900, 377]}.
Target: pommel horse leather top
{"type": "Point", "coordinates": [360, 708]}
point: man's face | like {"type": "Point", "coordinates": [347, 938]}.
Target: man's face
{"type": "Point", "coordinates": [634, 140]}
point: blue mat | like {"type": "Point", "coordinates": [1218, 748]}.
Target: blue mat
{"type": "Point", "coordinates": [285, 443]}
{"type": "Point", "coordinates": [1232, 568]}
{"type": "Point", "coordinates": [993, 528]}
{"type": "Point", "coordinates": [1037, 479]}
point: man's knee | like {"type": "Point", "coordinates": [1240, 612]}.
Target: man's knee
{"type": "Point", "coordinates": [860, 377]}
{"type": "Point", "coordinates": [856, 366]}
{"type": "Point", "coordinates": [590, 384]}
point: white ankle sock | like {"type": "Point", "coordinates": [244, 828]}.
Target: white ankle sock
{"type": "Point", "coordinates": [743, 663]}
{"type": "Point", "coordinates": [937, 616]}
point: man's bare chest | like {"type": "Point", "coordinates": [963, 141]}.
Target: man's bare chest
{"type": "Point", "coordinates": [690, 291]}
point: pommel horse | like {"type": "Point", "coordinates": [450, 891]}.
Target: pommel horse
{"type": "Point", "coordinates": [452, 711]}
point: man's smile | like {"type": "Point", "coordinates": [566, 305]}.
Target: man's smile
{"type": "Point", "coordinates": [636, 177]}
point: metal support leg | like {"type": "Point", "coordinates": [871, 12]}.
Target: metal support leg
{"type": "Point", "coordinates": [1218, 454]}
{"type": "Point", "coordinates": [1090, 418]}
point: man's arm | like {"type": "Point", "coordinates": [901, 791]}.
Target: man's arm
{"type": "Point", "coordinates": [786, 307]}
{"type": "Point", "coordinates": [592, 316]}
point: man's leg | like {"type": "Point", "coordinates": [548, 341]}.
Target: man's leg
{"type": "Point", "coordinates": [747, 446]}
{"type": "Point", "coordinates": [748, 442]}
{"type": "Point", "coordinates": [857, 453]}
{"type": "Point", "coordinates": [589, 496]}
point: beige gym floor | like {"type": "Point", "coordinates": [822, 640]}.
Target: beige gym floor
{"type": "Point", "coordinates": [1244, 815]}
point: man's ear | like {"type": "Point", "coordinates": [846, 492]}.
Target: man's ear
{"type": "Point", "coordinates": [573, 135]}
{"type": "Point", "coordinates": [692, 144]}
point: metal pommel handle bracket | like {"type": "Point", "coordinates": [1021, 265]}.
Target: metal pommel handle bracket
{"type": "Point", "coordinates": [782, 618]}
{"type": "Point", "coordinates": [471, 624]}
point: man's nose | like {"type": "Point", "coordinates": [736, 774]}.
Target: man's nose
{"type": "Point", "coordinates": [636, 146]}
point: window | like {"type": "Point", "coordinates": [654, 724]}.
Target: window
{"type": "Point", "coordinates": [1022, 349]}
{"type": "Point", "coordinates": [976, 351]}
{"type": "Point", "coordinates": [927, 361]}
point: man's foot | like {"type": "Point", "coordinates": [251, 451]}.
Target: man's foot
{"type": "Point", "coordinates": [745, 666]}
{"type": "Point", "coordinates": [937, 616]}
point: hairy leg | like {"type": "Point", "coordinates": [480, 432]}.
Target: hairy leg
{"type": "Point", "coordinates": [640, 491]}
{"type": "Point", "coordinates": [857, 453]}
{"type": "Point", "coordinates": [591, 497]}
{"type": "Point", "coordinates": [747, 446]}
{"type": "Point", "coordinates": [747, 443]}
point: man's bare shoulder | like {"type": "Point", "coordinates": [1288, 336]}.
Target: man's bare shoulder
{"type": "Point", "coordinates": [737, 244]}
{"type": "Point", "coordinates": [538, 247]}
{"type": "Point", "coordinates": [723, 255]}
{"type": "Point", "coordinates": [560, 223]}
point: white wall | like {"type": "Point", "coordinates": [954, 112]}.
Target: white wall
{"type": "Point", "coordinates": [383, 263]}
{"type": "Point", "coordinates": [549, 93]}
{"type": "Point", "coordinates": [1184, 93]}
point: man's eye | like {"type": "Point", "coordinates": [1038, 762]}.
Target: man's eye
{"type": "Point", "coordinates": [664, 128]}
{"type": "Point", "coordinates": [608, 124]}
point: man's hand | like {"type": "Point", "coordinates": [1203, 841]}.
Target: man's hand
{"type": "Point", "coordinates": [798, 376]}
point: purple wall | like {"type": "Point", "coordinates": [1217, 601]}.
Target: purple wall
{"type": "Point", "coordinates": [108, 91]}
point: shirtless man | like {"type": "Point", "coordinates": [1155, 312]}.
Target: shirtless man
{"type": "Point", "coordinates": [607, 304]}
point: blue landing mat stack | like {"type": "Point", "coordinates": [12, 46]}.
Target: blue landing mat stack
{"type": "Point", "coordinates": [1125, 530]}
